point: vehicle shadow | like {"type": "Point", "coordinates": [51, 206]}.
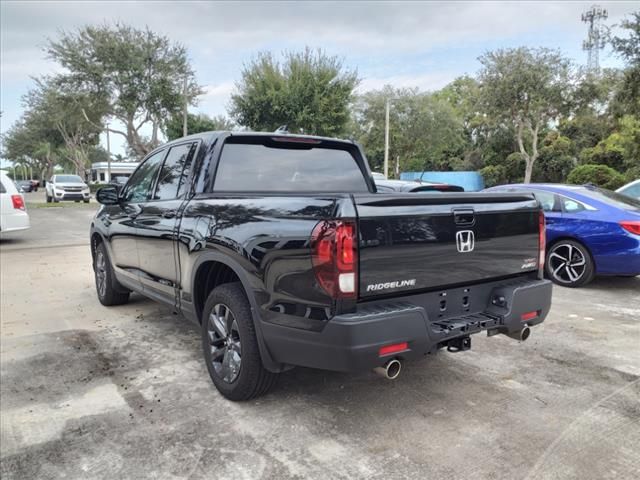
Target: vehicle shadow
{"type": "Point", "coordinates": [632, 284]}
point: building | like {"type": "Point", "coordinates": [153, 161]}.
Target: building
{"type": "Point", "coordinates": [119, 170]}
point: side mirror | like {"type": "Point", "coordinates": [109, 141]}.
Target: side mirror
{"type": "Point", "coordinates": [107, 195]}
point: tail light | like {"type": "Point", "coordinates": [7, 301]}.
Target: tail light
{"type": "Point", "coordinates": [542, 242]}
{"type": "Point", "coordinates": [334, 257]}
{"type": "Point", "coordinates": [632, 226]}
{"type": "Point", "coordinates": [18, 202]}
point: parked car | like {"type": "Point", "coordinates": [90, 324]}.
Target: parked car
{"type": "Point", "coordinates": [389, 186]}
{"type": "Point", "coordinates": [13, 212]}
{"type": "Point", "coordinates": [279, 247]}
{"type": "Point", "coordinates": [590, 231]}
{"type": "Point", "coordinates": [25, 186]}
{"type": "Point", "coordinates": [631, 189]}
{"type": "Point", "coordinates": [67, 187]}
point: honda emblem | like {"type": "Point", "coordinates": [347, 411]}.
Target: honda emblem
{"type": "Point", "coordinates": [465, 241]}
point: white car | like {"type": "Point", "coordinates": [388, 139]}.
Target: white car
{"type": "Point", "coordinates": [631, 189]}
{"type": "Point", "coordinates": [67, 187]}
{"type": "Point", "coordinates": [13, 212]}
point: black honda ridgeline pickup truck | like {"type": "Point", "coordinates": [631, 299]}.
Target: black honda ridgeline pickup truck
{"type": "Point", "coordinates": [280, 248]}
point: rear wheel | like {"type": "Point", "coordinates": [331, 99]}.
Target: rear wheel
{"type": "Point", "coordinates": [109, 291]}
{"type": "Point", "coordinates": [569, 264]}
{"type": "Point", "coordinates": [231, 346]}
{"type": "Point", "coordinates": [48, 199]}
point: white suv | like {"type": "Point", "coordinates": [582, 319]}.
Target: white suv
{"type": "Point", "coordinates": [13, 213]}
{"type": "Point", "coordinates": [67, 187]}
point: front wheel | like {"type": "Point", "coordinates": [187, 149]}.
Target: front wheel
{"type": "Point", "coordinates": [569, 264]}
{"type": "Point", "coordinates": [231, 346]}
{"type": "Point", "coordinates": [48, 199]}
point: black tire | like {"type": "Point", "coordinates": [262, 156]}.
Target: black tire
{"type": "Point", "coordinates": [230, 345]}
{"type": "Point", "coordinates": [109, 291]}
{"type": "Point", "coordinates": [569, 264]}
{"type": "Point", "coordinates": [48, 199]}
{"type": "Point", "coordinates": [86, 201]}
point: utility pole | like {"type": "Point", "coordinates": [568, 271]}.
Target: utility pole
{"type": "Point", "coordinates": [386, 141]}
{"type": "Point", "coordinates": [184, 111]}
{"type": "Point", "coordinates": [595, 38]}
{"type": "Point", "coordinates": [108, 179]}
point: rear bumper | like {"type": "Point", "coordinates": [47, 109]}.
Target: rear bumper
{"type": "Point", "coordinates": [352, 342]}
{"type": "Point", "coordinates": [15, 221]}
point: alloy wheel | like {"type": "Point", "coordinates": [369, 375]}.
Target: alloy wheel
{"type": "Point", "coordinates": [101, 274]}
{"type": "Point", "coordinates": [224, 343]}
{"type": "Point", "coordinates": [567, 263]}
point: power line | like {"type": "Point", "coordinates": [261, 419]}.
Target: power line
{"type": "Point", "coordinates": [595, 37]}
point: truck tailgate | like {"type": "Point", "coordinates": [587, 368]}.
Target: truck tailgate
{"type": "Point", "coordinates": [413, 242]}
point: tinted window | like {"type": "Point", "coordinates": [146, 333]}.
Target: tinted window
{"type": "Point", "coordinates": [611, 198]}
{"type": "Point", "coordinates": [264, 168]}
{"type": "Point", "coordinates": [173, 173]}
{"type": "Point", "coordinates": [2, 189]}
{"type": "Point", "coordinates": [547, 200]}
{"type": "Point", "coordinates": [137, 189]}
{"type": "Point", "coordinates": [571, 206]}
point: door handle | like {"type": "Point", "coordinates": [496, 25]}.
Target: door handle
{"type": "Point", "coordinates": [169, 214]}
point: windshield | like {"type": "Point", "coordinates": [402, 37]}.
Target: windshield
{"type": "Point", "coordinates": [68, 179]}
{"type": "Point", "coordinates": [611, 198]}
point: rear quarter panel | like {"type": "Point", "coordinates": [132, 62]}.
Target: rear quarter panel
{"type": "Point", "coordinates": [267, 237]}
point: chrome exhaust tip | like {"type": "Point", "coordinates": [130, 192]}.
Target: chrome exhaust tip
{"type": "Point", "coordinates": [521, 335]}
{"type": "Point", "coordinates": [390, 370]}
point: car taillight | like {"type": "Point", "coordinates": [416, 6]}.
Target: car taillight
{"type": "Point", "coordinates": [632, 226]}
{"type": "Point", "coordinates": [18, 202]}
{"type": "Point", "coordinates": [542, 242]}
{"type": "Point", "coordinates": [334, 257]}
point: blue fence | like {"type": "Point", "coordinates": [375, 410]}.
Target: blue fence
{"type": "Point", "coordinates": [470, 181]}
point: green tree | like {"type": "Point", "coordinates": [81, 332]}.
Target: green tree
{"type": "Point", "coordinates": [557, 159]}
{"type": "Point", "coordinates": [599, 175]}
{"type": "Point", "coordinates": [196, 124]}
{"type": "Point", "coordinates": [424, 131]}
{"type": "Point", "coordinates": [628, 48]}
{"type": "Point", "coordinates": [139, 74]}
{"type": "Point", "coordinates": [308, 91]}
{"type": "Point", "coordinates": [527, 88]}
{"type": "Point", "coordinates": [73, 114]}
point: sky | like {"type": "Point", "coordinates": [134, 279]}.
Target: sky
{"type": "Point", "coordinates": [405, 44]}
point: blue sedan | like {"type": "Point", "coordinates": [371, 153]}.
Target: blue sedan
{"type": "Point", "coordinates": [590, 231]}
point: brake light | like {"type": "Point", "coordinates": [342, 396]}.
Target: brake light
{"type": "Point", "coordinates": [18, 202]}
{"type": "Point", "coordinates": [542, 242]}
{"type": "Point", "coordinates": [632, 226]}
{"type": "Point", "coordinates": [311, 141]}
{"type": "Point", "coordinates": [334, 259]}
{"type": "Point", "coordinates": [529, 316]}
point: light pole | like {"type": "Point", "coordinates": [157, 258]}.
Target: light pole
{"type": "Point", "coordinates": [386, 140]}
{"type": "Point", "coordinates": [108, 179]}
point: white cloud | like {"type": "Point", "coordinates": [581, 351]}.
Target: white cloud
{"type": "Point", "coordinates": [381, 36]}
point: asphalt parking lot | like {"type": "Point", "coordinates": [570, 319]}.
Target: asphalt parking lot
{"type": "Point", "coordinates": [95, 392]}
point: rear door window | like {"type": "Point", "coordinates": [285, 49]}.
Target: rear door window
{"type": "Point", "coordinates": [268, 167]}
{"type": "Point", "coordinates": [2, 189]}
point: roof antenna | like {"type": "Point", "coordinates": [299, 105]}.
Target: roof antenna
{"type": "Point", "coordinates": [282, 129]}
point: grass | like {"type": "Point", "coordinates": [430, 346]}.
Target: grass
{"type": "Point", "coordinates": [61, 205]}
